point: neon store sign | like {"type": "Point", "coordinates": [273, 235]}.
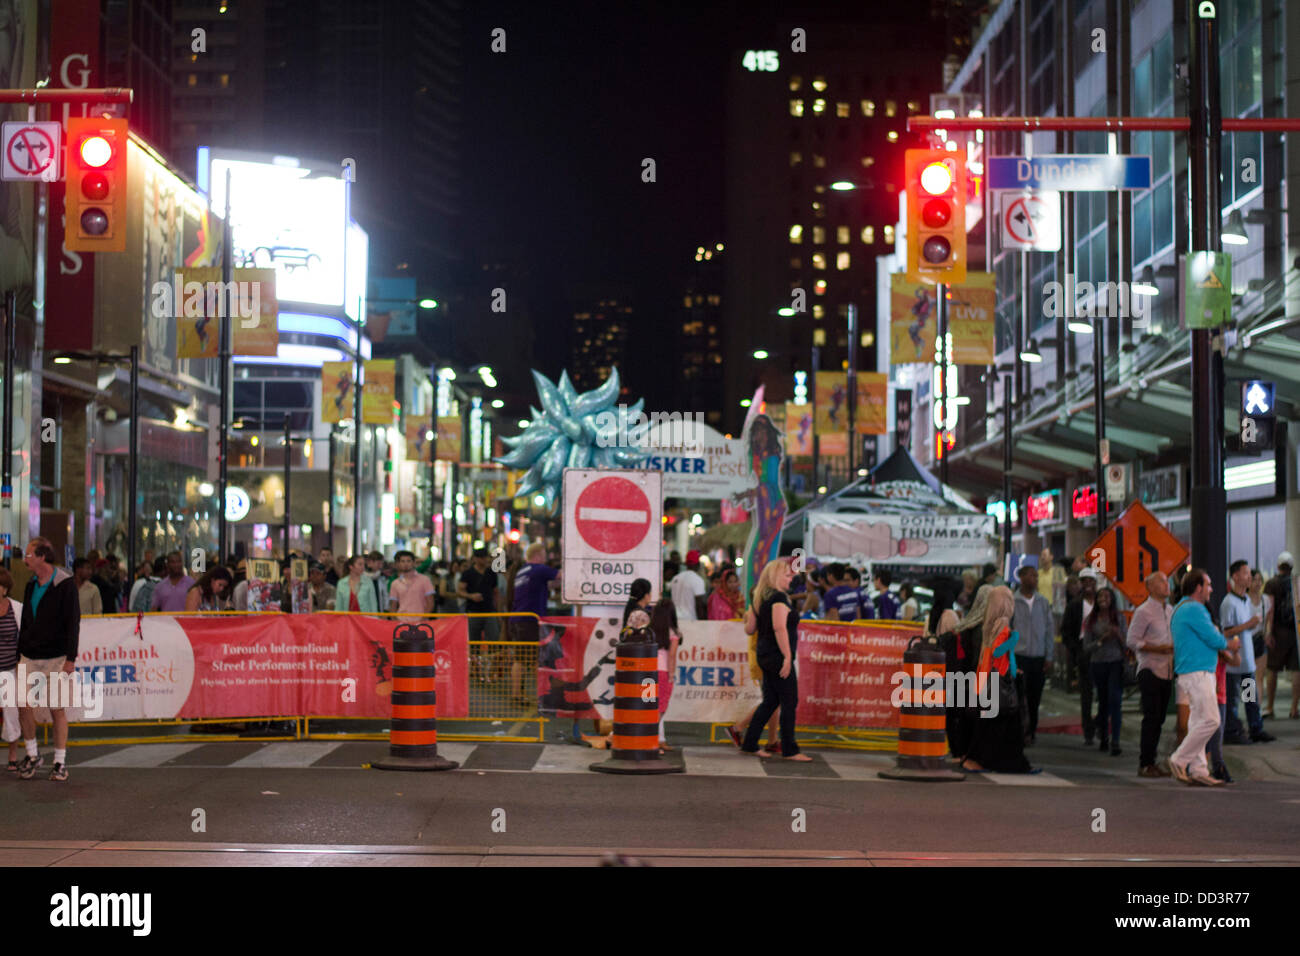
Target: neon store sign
{"type": "Point", "coordinates": [1044, 508]}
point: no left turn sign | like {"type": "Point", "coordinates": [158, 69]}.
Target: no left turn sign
{"type": "Point", "coordinates": [30, 151]}
{"type": "Point", "coordinates": [1031, 221]}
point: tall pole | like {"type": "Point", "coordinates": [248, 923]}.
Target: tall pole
{"type": "Point", "coordinates": [330, 486]}
{"type": "Point", "coordinates": [133, 464]}
{"type": "Point", "coordinates": [853, 389]}
{"type": "Point", "coordinates": [1099, 389]}
{"type": "Point", "coordinates": [6, 468]}
{"type": "Point", "coordinates": [1209, 507]}
{"type": "Point", "coordinates": [223, 451]}
{"type": "Point", "coordinates": [288, 517]}
{"type": "Point", "coordinates": [1006, 465]}
{"type": "Point", "coordinates": [941, 355]}
{"type": "Point", "coordinates": [816, 363]}
{"type": "Point", "coordinates": [356, 447]}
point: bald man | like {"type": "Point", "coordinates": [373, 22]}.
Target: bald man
{"type": "Point", "coordinates": [1149, 638]}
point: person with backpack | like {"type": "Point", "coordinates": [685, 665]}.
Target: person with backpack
{"type": "Point", "coordinates": [1280, 636]}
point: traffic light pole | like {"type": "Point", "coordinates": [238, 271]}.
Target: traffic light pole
{"type": "Point", "coordinates": [1099, 419]}
{"type": "Point", "coordinates": [223, 449]}
{"type": "Point", "coordinates": [941, 356]}
{"type": "Point", "coordinates": [1006, 466]}
{"type": "Point", "coordinates": [1209, 506]}
{"type": "Point", "coordinates": [288, 512]}
{"type": "Point", "coordinates": [853, 390]}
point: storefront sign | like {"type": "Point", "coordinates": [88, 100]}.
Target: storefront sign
{"type": "Point", "coordinates": [1044, 508]}
{"type": "Point", "coordinates": [922, 538]}
{"type": "Point", "coordinates": [1161, 488]}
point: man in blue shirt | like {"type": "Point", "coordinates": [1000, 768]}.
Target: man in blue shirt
{"type": "Point", "coordinates": [841, 601]}
{"type": "Point", "coordinates": [533, 581]}
{"type": "Point", "coordinates": [886, 603]}
{"type": "Point", "coordinates": [1197, 643]}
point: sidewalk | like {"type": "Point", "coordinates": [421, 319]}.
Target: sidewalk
{"type": "Point", "coordinates": [1060, 721]}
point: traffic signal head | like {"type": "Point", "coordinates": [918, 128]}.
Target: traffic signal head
{"type": "Point", "coordinates": [95, 216]}
{"type": "Point", "coordinates": [936, 216]}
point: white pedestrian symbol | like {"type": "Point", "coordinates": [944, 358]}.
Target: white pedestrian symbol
{"type": "Point", "coordinates": [1256, 400]}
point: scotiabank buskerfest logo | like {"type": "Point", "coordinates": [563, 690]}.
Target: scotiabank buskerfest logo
{"type": "Point", "coordinates": [57, 691]}
{"type": "Point", "coordinates": [918, 686]}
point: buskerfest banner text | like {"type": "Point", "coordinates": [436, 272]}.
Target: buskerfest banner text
{"type": "Point", "coordinates": [160, 666]}
{"type": "Point", "coordinates": [847, 672]}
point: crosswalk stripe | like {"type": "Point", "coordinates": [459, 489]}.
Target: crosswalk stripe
{"type": "Point", "coordinates": [140, 755]}
{"type": "Point", "coordinates": [858, 766]}
{"type": "Point", "coordinates": [715, 762]}
{"type": "Point", "coordinates": [302, 753]}
{"type": "Point", "coordinates": [566, 758]}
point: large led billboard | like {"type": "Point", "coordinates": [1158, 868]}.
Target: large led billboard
{"type": "Point", "coordinates": [288, 215]}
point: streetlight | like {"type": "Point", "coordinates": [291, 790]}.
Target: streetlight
{"type": "Point", "coordinates": [1234, 233]}
{"type": "Point", "coordinates": [133, 440]}
{"type": "Point", "coordinates": [760, 354]}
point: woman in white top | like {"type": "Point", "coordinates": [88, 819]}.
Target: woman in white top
{"type": "Point", "coordinates": [11, 616]}
{"type": "Point", "coordinates": [1260, 603]}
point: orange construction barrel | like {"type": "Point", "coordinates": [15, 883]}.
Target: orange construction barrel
{"type": "Point", "coordinates": [922, 733]}
{"type": "Point", "coordinates": [413, 736]}
{"type": "Point", "coordinates": [635, 742]}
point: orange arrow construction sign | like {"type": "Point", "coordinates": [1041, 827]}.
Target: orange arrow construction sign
{"type": "Point", "coordinates": [1135, 546]}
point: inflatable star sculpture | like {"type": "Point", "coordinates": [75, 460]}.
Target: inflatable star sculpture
{"type": "Point", "coordinates": [573, 431]}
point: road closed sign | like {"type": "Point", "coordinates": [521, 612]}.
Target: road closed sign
{"type": "Point", "coordinates": [612, 528]}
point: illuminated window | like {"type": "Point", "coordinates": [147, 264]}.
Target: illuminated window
{"type": "Point", "coordinates": [819, 311]}
{"type": "Point", "coordinates": [687, 303]}
{"type": "Point", "coordinates": [796, 234]}
{"type": "Point", "coordinates": [796, 107]}
{"type": "Point", "coordinates": [819, 261]}
{"type": "Point", "coordinates": [819, 161]}
{"type": "Point", "coordinates": [842, 110]}
{"type": "Point", "coordinates": [868, 161]}
{"type": "Point", "coordinates": [819, 84]}
{"type": "Point", "coordinates": [892, 136]}
{"type": "Point", "coordinates": [867, 340]}
{"type": "Point", "coordinates": [192, 80]}
{"type": "Point", "coordinates": [842, 311]}
{"type": "Point", "coordinates": [795, 83]}
{"type": "Point", "coordinates": [819, 235]}
{"type": "Point", "coordinates": [842, 235]}
{"type": "Point", "coordinates": [890, 107]}
{"type": "Point", "coordinates": [796, 263]}
{"type": "Point", "coordinates": [796, 158]}
{"type": "Point", "coordinates": [819, 106]}
{"type": "Point", "coordinates": [225, 79]}
{"type": "Point", "coordinates": [841, 261]}
{"type": "Point", "coordinates": [913, 106]}
{"type": "Point", "coordinates": [819, 337]}
{"type": "Point", "coordinates": [868, 234]}
{"type": "Point", "coordinates": [889, 235]}
{"type": "Point", "coordinates": [868, 108]}
{"type": "Point", "coordinates": [819, 287]}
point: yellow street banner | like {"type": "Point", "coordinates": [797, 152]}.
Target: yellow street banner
{"type": "Point", "coordinates": [200, 298]}
{"type": "Point", "coordinates": [378, 392]}
{"type": "Point", "coordinates": [798, 430]}
{"type": "Point", "coordinates": [336, 402]}
{"type": "Point", "coordinates": [417, 445]}
{"type": "Point", "coordinates": [832, 404]}
{"type": "Point", "coordinates": [914, 319]}
{"type": "Point", "coordinates": [449, 437]}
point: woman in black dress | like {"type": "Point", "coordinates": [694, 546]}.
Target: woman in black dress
{"type": "Point", "coordinates": [998, 743]}
{"type": "Point", "coordinates": [778, 626]}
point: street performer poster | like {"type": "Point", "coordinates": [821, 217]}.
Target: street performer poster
{"type": "Point", "coordinates": [914, 319]}
{"type": "Point", "coordinates": [336, 402]}
{"type": "Point", "coordinates": [378, 392]}
{"type": "Point", "coordinates": [846, 673]}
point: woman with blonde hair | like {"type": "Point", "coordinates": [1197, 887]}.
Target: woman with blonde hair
{"type": "Point", "coordinates": [998, 742]}
{"type": "Point", "coordinates": [777, 627]}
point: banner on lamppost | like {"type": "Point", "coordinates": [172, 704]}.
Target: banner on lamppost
{"type": "Point", "coordinates": [914, 319]}
{"type": "Point", "coordinates": [798, 430]}
{"type": "Point", "coordinates": [449, 438]}
{"type": "Point", "coordinates": [199, 298]}
{"type": "Point", "coordinates": [417, 442]}
{"type": "Point", "coordinates": [378, 392]}
{"type": "Point", "coordinates": [336, 403]}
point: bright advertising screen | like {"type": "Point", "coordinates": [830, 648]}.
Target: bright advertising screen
{"type": "Point", "coordinates": [286, 216]}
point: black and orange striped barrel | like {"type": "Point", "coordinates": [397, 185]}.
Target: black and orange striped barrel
{"type": "Point", "coordinates": [413, 734]}
{"type": "Point", "coordinates": [635, 742]}
{"type": "Point", "coordinates": [922, 727]}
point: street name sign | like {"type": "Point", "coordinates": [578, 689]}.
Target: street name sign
{"type": "Point", "coordinates": [1087, 172]}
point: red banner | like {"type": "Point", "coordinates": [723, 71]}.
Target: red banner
{"type": "Point", "coordinates": [328, 665]}
{"type": "Point", "coordinates": [846, 673]}
{"type": "Point", "coordinates": [575, 665]}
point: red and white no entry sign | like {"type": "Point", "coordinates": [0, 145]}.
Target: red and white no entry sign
{"type": "Point", "coordinates": [613, 515]}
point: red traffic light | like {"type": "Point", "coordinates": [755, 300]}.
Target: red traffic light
{"type": "Point", "coordinates": [94, 186]}
{"type": "Point", "coordinates": [936, 213]}
{"type": "Point", "coordinates": [936, 178]}
{"type": "Point", "coordinates": [95, 152]}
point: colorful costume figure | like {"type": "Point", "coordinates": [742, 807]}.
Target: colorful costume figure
{"type": "Point", "coordinates": [769, 509]}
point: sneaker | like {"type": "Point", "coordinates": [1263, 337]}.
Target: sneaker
{"type": "Point", "coordinates": [59, 773]}
{"type": "Point", "coordinates": [28, 766]}
{"type": "Point", "coordinates": [1263, 737]}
